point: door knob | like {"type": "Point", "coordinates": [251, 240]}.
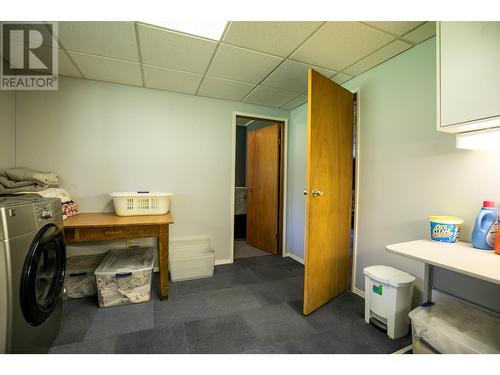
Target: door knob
{"type": "Point", "coordinates": [317, 193]}
{"type": "Point", "coordinates": [306, 192]}
{"type": "Point", "coordinates": [248, 188]}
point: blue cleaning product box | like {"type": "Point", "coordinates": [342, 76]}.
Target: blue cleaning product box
{"type": "Point", "coordinates": [485, 229]}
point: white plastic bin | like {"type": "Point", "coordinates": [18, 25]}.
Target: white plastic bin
{"type": "Point", "coordinates": [388, 297]}
{"type": "Point", "coordinates": [191, 259]}
{"type": "Point", "coordinates": [124, 276]}
{"type": "Point", "coordinates": [452, 327]}
{"type": "Point", "coordinates": [79, 280]}
{"type": "Point", "coordinates": [141, 203]}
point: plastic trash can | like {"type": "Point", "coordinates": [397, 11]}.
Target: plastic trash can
{"type": "Point", "coordinates": [452, 327]}
{"type": "Point", "coordinates": [388, 297]}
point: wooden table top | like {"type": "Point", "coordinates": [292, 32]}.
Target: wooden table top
{"type": "Point", "coordinates": [109, 219]}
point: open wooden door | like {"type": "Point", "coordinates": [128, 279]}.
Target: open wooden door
{"type": "Point", "coordinates": [263, 188]}
{"type": "Point", "coordinates": [329, 190]}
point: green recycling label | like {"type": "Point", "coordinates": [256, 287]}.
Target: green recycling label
{"type": "Point", "coordinates": [377, 289]}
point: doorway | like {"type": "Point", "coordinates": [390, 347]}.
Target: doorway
{"type": "Point", "coordinates": [258, 186]}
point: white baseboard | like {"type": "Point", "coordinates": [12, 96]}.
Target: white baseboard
{"type": "Point", "coordinates": [294, 257]}
{"type": "Point", "coordinates": [223, 261]}
{"type": "Point", "coordinates": [359, 292]}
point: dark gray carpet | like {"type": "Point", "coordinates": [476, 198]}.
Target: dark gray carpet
{"type": "Point", "coordinates": [251, 306]}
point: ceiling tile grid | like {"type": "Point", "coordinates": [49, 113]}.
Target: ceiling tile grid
{"type": "Point", "coordinates": [174, 50]}
{"type": "Point", "coordinates": [107, 69]}
{"type": "Point", "coordinates": [224, 89]}
{"type": "Point", "coordinates": [276, 38]}
{"type": "Point", "coordinates": [270, 97]}
{"type": "Point", "coordinates": [392, 49]}
{"type": "Point", "coordinates": [422, 33]}
{"type": "Point", "coordinates": [339, 44]}
{"type": "Point", "coordinates": [242, 64]}
{"type": "Point", "coordinates": [171, 80]}
{"type": "Point", "coordinates": [109, 39]}
{"type": "Point", "coordinates": [292, 75]}
{"type": "Point", "coordinates": [261, 62]}
{"type": "Point", "coordinates": [397, 28]}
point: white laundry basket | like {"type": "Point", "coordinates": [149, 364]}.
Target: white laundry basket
{"type": "Point", "coordinates": [141, 203]}
{"type": "Point", "coordinates": [388, 297]}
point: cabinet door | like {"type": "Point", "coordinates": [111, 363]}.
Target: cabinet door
{"type": "Point", "coordinates": [469, 67]}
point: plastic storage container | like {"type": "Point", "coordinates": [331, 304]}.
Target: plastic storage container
{"type": "Point", "coordinates": [446, 228]}
{"type": "Point", "coordinates": [124, 276]}
{"type": "Point", "coordinates": [141, 203]}
{"type": "Point", "coordinates": [388, 296]}
{"type": "Point", "coordinates": [79, 280]}
{"type": "Point", "coordinates": [452, 327]}
{"type": "Point", "coordinates": [191, 259]}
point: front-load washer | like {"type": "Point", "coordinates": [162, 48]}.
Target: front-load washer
{"type": "Point", "coordinates": [32, 267]}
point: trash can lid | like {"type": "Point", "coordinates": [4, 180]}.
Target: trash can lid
{"type": "Point", "coordinates": [389, 275]}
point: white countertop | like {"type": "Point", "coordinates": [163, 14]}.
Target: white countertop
{"type": "Point", "coordinates": [459, 257]}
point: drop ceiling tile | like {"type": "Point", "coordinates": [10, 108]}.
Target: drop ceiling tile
{"type": "Point", "coordinates": [341, 77]}
{"type": "Point", "coordinates": [422, 33]}
{"type": "Point", "coordinates": [292, 75]}
{"type": "Point", "coordinates": [383, 54]}
{"type": "Point", "coordinates": [66, 66]}
{"type": "Point", "coordinates": [110, 39]}
{"type": "Point", "coordinates": [270, 97]}
{"type": "Point", "coordinates": [241, 64]}
{"type": "Point", "coordinates": [396, 27]}
{"type": "Point", "coordinates": [296, 102]}
{"type": "Point", "coordinates": [171, 80]}
{"type": "Point", "coordinates": [339, 44]}
{"type": "Point", "coordinates": [276, 38]}
{"type": "Point", "coordinates": [224, 88]}
{"type": "Point", "coordinates": [107, 69]}
{"type": "Point", "coordinates": [173, 50]}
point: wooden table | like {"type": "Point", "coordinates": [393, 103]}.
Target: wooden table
{"type": "Point", "coordinates": [108, 226]}
{"type": "Point", "coordinates": [459, 257]}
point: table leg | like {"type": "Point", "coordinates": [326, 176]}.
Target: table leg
{"type": "Point", "coordinates": [428, 283]}
{"type": "Point", "coordinates": [163, 250]}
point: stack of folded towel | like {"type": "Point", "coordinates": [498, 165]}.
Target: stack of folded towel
{"type": "Point", "coordinates": [29, 181]}
{"type": "Point", "coordinates": [20, 180]}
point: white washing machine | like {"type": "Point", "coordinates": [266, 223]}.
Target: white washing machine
{"type": "Point", "coordinates": [32, 266]}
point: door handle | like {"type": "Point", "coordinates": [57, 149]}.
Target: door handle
{"type": "Point", "coordinates": [317, 193]}
{"type": "Point", "coordinates": [248, 188]}
{"type": "Point", "coordinates": [306, 192]}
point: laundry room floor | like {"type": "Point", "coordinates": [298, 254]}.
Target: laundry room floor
{"type": "Point", "coordinates": [251, 306]}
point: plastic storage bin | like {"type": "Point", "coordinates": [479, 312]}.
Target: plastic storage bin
{"type": "Point", "coordinates": [79, 280]}
{"type": "Point", "coordinates": [452, 327]}
{"type": "Point", "coordinates": [141, 203]}
{"type": "Point", "coordinates": [124, 276]}
{"type": "Point", "coordinates": [388, 297]}
{"type": "Point", "coordinates": [191, 259]}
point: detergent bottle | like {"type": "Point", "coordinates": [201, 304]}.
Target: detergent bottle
{"type": "Point", "coordinates": [485, 229]}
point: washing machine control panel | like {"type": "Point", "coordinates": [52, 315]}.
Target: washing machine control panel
{"type": "Point", "coordinates": [44, 212]}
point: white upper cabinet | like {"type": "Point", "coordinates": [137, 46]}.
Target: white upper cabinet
{"type": "Point", "coordinates": [468, 76]}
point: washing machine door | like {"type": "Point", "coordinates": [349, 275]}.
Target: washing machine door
{"type": "Point", "coordinates": [43, 275]}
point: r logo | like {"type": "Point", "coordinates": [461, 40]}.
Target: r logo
{"type": "Point", "coordinates": [29, 53]}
